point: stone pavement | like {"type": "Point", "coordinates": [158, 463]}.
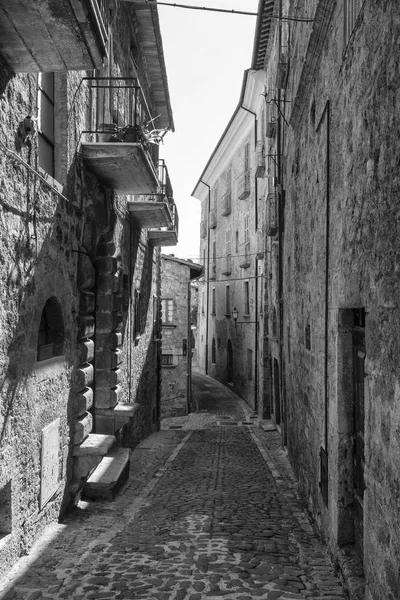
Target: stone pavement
{"type": "Point", "coordinates": [209, 512]}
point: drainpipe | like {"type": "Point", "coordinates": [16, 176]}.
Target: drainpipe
{"type": "Point", "coordinates": [208, 271]}
{"type": "Point", "coordinates": [326, 112]}
{"type": "Point", "coordinates": [189, 353]}
{"type": "Point", "coordinates": [256, 271]}
{"type": "Point", "coordinates": [281, 212]}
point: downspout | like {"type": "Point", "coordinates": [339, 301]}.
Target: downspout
{"type": "Point", "coordinates": [208, 272]}
{"type": "Point", "coordinates": [326, 112]}
{"type": "Point", "coordinates": [189, 353]}
{"type": "Point", "coordinates": [256, 271]}
{"type": "Point", "coordinates": [280, 233]}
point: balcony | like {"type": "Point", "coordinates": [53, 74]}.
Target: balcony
{"type": "Point", "coordinates": [244, 185]}
{"type": "Point", "coordinates": [123, 150]}
{"type": "Point", "coordinates": [244, 259]}
{"type": "Point", "coordinates": [165, 234]}
{"type": "Point", "coordinates": [272, 214]}
{"type": "Point", "coordinates": [260, 159]}
{"type": "Point", "coordinates": [226, 204]}
{"type": "Point", "coordinates": [51, 36]}
{"type": "Point", "coordinates": [213, 219]}
{"type": "Point", "coordinates": [227, 266]}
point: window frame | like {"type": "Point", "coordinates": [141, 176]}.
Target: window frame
{"type": "Point", "coordinates": [169, 311]}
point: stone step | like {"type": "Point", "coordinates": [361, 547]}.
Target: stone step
{"type": "Point", "coordinates": [110, 420]}
{"type": "Point", "coordinates": [109, 476]}
{"type": "Point", "coordinates": [89, 453]}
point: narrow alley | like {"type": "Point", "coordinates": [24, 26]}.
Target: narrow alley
{"type": "Point", "coordinates": [210, 510]}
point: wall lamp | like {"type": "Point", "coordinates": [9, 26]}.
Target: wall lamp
{"type": "Point", "coordinates": [235, 314]}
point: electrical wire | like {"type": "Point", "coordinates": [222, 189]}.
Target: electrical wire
{"type": "Point", "coordinates": [218, 10]}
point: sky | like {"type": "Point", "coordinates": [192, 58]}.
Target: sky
{"type": "Point", "coordinates": [206, 54]}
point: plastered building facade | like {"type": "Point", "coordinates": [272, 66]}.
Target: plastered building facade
{"type": "Point", "coordinates": [232, 245]}
{"type": "Point", "coordinates": [84, 205]}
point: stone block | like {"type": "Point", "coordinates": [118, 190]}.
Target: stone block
{"type": "Point", "coordinates": [85, 327]}
{"type": "Point", "coordinates": [109, 476]}
{"type": "Point", "coordinates": [83, 401]}
{"type": "Point", "coordinates": [105, 424]}
{"type": "Point", "coordinates": [86, 275]}
{"type": "Point", "coordinates": [84, 377]}
{"type": "Point", "coordinates": [95, 444]}
{"type": "Point", "coordinates": [106, 264]}
{"type": "Point", "coordinates": [86, 302]}
{"type": "Point", "coordinates": [108, 378]}
{"type": "Point", "coordinates": [107, 321]}
{"type": "Point", "coordinates": [83, 427]}
{"type": "Point", "coordinates": [109, 359]}
{"type": "Point", "coordinates": [107, 397]}
{"type": "Point", "coordinates": [105, 302]}
{"type": "Point", "coordinates": [83, 465]}
{"type": "Point", "coordinates": [106, 249]}
{"type": "Point", "coordinates": [116, 337]}
{"type": "Point", "coordinates": [86, 351]}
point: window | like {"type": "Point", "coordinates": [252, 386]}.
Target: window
{"type": "Point", "coordinates": [227, 301]}
{"type": "Point", "coordinates": [246, 298]}
{"type": "Point", "coordinates": [228, 179]}
{"type": "Point", "coordinates": [249, 364]}
{"type": "Point", "coordinates": [215, 196]}
{"type": "Point", "coordinates": [167, 360]}
{"type": "Point", "coordinates": [247, 156]}
{"type": "Point", "coordinates": [228, 242]}
{"type": "Point", "coordinates": [202, 303]}
{"type": "Point", "coordinates": [184, 347]}
{"type": "Point", "coordinates": [246, 229]}
{"type": "Point", "coordinates": [213, 312]}
{"type": "Point", "coordinates": [351, 11]}
{"type": "Point", "coordinates": [236, 241]}
{"type": "Point", "coordinates": [51, 331]}
{"type": "Point", "coordinates": [167, 311]}
{"type": "Point", "coordinates": [46, 122]}
{"type": "Point", "coordinates": [213, 352]}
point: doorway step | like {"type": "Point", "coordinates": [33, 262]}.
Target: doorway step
{"type": "Point", "coordinates": [99, 460]}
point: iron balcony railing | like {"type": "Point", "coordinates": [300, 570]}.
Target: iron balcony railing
{"type": "Point", "coordinates": [121, 113]}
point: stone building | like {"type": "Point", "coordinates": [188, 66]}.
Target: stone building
{"type": "Point", "coordinates": [232, 249]}
{"type": "Point", "coordinates": [332, 75]}
{"type": "Point", "coordinates": [85, 202]}
{"type": "Point", "coordinates": [178, 341]}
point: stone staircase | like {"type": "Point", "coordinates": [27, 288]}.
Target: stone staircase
{"type": "Point", "coordinates": [100, 467]}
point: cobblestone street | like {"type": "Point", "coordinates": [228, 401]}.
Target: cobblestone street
{"type": "Point", "coordinates": [210, 511]}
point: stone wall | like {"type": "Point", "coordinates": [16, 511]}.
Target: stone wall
{"type": "Point", "coordinates": [174, 285]}
{"type": "Point", "coordinates": [39, 229]}
{"type": "Point", "coordinates": [342, 164]}
{"type": "Point", "coordinates": [71, 242]}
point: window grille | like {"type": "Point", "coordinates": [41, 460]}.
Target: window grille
{"type": "Point", "coordinates": [167, 360]}
{"type": "Point", "coordinates": [167, 311]}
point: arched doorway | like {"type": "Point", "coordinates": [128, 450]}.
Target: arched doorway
{"type": "Point", "coordinates": [229, 366]}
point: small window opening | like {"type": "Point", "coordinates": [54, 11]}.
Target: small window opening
{"type": "Point", "coordinates": [51, 331]}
